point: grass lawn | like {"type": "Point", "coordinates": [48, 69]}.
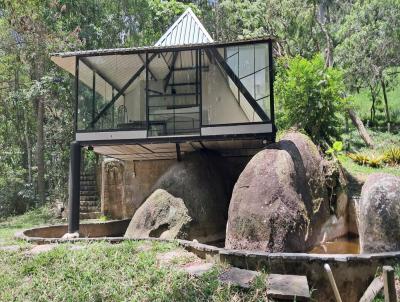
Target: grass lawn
{"type": "Point", "coordinates": [9, 226]}
{"type": "Point", "coordinates": [362, 102]}
{"type": "Point", "coordinates": [355, 144]}
{"type": "Point", "coordinates": [105, 272]}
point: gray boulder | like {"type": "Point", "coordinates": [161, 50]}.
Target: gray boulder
{"type": "Point", "coordinates": [200, 180]}
{"type": "Point", "coordinates": [280, 200]}
{"type": "Point", "coordinates": [379, 214]}
{"type": "Point", "coordinates": [161, 215]}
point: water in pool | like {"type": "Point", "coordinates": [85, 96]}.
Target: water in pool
{"type": "Point", "coordinates": [342, 245]}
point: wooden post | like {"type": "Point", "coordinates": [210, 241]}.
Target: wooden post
{"type": "Point", "coordinates": [333, 283]}
{"type": "Point", "coordinates": [388, 284]}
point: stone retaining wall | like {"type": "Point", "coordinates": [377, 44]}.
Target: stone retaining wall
{"type": "Point", "coordinates": [353, 273]}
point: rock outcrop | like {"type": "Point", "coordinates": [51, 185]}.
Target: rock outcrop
{"type": "Point", "coordinates": [379, 214]}
{"type": "Point", "coordinates": [161, 215]}
{"type": "Point", "coordinates": [201, 182]}
{"type": "Point", "coordinates": [280, 200]}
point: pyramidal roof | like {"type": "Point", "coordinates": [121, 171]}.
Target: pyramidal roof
{"type": "Point", "coordinates": [186, 30]}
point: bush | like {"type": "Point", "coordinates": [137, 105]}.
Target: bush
{"type": "Point", "coordinates": [310, 96]}
{"type": "Point", "coordinates": [392, 155]}
{"type": "Point", "coordinates": [371, 160]}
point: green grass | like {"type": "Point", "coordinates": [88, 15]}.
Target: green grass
{"type": "Point", "coordinates": [106, 272]}
{"type": "Point", "coordinates": [354, 144]}
{"type": "Point", "coordinates": [362, 102]}
{"type": "Point", "coordinates": [9, 226]}
{"type": "Point", "coordinates": [354, 168]}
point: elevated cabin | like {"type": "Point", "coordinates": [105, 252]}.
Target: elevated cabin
{"type": "Point", "coordinates": [187, 92]}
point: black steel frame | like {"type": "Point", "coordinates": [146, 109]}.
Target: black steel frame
{"type": "Point", "coordinates": [199, 52]}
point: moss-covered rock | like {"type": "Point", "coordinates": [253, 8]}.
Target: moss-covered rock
{"type": "Point", "coordinates": [280, 200]}
{"type": "Point", "coordinates": [379, 214]}
{"type": "Point", "coordinates": [203, 184]}
{"type": "Point", "coordinates": [161, 215]}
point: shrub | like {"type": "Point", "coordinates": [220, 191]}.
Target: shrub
{"type": "Point", "coordinates": [310, 96]}
{"type": "Point", "coordinates": [392, 155]}
{"type": "Point", "coordinates": [371, 160]}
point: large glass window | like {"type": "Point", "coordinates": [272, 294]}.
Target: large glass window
{"type": "Point", "coordinates": [104, 102]}
{"type": "Point", "coordinates": [173, 94]}
{"type": "Point", "coordinates": [178, 92]}
{"type": "Point", "coordinates": [236, 85]}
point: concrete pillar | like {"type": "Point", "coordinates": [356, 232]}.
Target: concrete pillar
{"type": "Point", "coordinates": [74, 187]}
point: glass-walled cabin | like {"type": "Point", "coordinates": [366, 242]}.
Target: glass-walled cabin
{"type": "Point", "coordinates": [187, 91]}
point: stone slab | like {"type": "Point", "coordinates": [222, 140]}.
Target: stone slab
{"type": "Point", "coordinates": [198, 269]}
{"type": "Point", "coordinates": [10, 248]}
{"type": "Point", "coordinates": [238, 277]}
{"type": "Point", "coordinates": [288, 287]}
{"type": "Point", "coordinates": [41, 249]}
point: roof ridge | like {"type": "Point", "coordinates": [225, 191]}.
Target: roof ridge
{"type": "Point", "coordinates": [181, 30]}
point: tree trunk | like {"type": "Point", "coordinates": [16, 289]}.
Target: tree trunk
{"type": "Point", "coordinates": [373, 104]}
{"type": "Point", "coordinates": [28, 149]}
{"type": "Point", "coordinates": [386, 101]}
{"type": "Point", "coordinates": [360, 127]}
{"type": "Point", "coordinates": [40, 151]}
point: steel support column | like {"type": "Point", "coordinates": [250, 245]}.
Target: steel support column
{"type": "Point", "coordinates": [74, 187]}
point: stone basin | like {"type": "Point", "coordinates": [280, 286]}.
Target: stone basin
{"type": "Point", "coordinates": [353, 272]}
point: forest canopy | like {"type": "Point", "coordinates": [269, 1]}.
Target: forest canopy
{"type": "Point", "coordinates": [352, 44]}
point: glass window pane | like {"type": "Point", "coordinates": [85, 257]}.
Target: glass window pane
{"type": "Point", "coordinates": [233, 63]}
{"type": "Point", "coordinates": [246, 60]}
{"type": "Point", "coordinates": [265, 105]}
{"type": "Point", "coordinates": [261, 84]}
{"type": "Point", "coordinates": [248, 82]}
{"type": "Point", "coordinates": [261, 53]}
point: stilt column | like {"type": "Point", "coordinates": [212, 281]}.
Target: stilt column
{"type": "Point", "coordinates": [74, 188]}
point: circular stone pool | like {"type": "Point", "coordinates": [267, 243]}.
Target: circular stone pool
{"type": "Point", "coordinates": [353, 272]}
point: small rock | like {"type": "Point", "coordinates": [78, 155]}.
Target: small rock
{"type": "Point", "coordinates": [198, 269]}
{"type": "Point", "coordinates": [238, 277]}
{"type": "Point", "coordinates": [144, 247]}
{"type": "Point", "coordinates": [76, 247]}
{"type": "Point", "coordinates": [10, 248]}
{"type": "Point", "coordinates": [176, 258]}
{"type": "Point", "coordinates": [288, 287]}
{"type": "Point", "coordinates": [70, 235]}
{"type": "Point", "coordinates": [41, 249]}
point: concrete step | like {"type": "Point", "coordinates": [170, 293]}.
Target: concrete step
{"type": "Point", "coordinates": [92, 215]}
{"type": "Point", "coordinates": [88, 198]}
{"type": "Point", "coordinates": [88, 188]}
{"type": "Point", "coordinates": [238, 277]}
{"type": "Point", "coordinates": [89, 209]}
{"type": "Point", "coordinates": [89, 203]}
{"type": "Point", "coordinates": [88, 193]}
{"type": "Point", "coordinates": [88, 178]}
{"type": "Point", "coordinates": [288, 287]}
{"type": "Point", "coordinates": [88, 183]}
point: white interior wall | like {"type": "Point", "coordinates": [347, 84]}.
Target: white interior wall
{"type": "Point", "coordinates": [135, 101]}
{"type": "Point", "coordinates": [220, 106]}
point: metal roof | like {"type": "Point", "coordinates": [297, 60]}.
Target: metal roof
{"type": "Point", "coordinates": [186, 30]}
{"type": "Point", "coordinates": [143, 49]}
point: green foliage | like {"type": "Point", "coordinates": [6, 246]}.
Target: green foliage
{"type": "Point", "coordinates": [371, 160]}
{"type": "Point", "coordinates": [127, 274]}
{"type": "Point", "coordinates": [392, 155]}
{"type": "Point", "coordinates": [310, 96]}
{"type": "Point", "coordinates": [336, 149]}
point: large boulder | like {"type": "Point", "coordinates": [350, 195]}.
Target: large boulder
{"type": "Point", "coordinates": [200, 181]}
{"type": "Point", "coordinates": [161, 215]}
{"type": "Point", "coordinates": [379, 214]}
{"type": "Point", "coordinates": [280, 200]}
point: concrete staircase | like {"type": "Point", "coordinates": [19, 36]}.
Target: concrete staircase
{"type": "Point", "coordinates": [89, 198]}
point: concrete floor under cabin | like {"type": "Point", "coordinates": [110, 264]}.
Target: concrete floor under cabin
{"type": "Point", "coordinates": [128, 173]}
